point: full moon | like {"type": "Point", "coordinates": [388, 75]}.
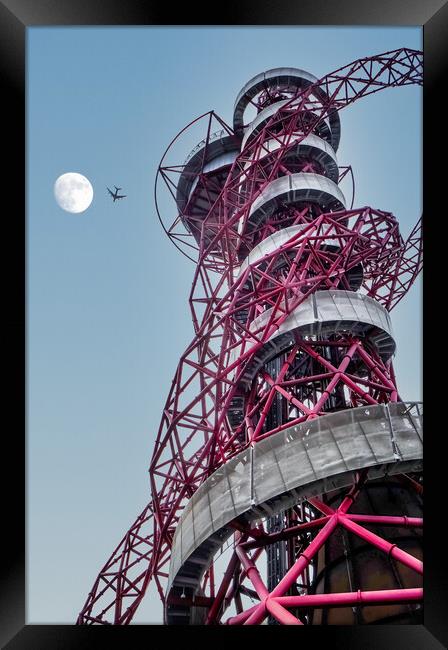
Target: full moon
{"type": "Point", "coordinates": [73, 192]}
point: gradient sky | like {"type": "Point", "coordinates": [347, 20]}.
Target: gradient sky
{"type": "Point", "coordinates": [107, 292]}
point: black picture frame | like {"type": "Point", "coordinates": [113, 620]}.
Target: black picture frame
{"type": "Point", "coordinates": [15, 17]}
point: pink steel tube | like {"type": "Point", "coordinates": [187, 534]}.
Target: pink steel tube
{"type": "Point", "coordinates": [303, 561]}
{"type": "Point", "coordinates": [382, 544]}
{"type": "Point", "coordinates": [352, 598]}
{"type": "Point", "coordinates": [241, 618]}
{"type": "Point", "coordinates": [252, 572]}
{"type": "Point", "coordinates": [222, 589]}
{"type": "Point", "coordinates": [280, 613]}
{"type": "Point", "coordinates": [216, 406]}
{"type": "Point", "coordinates": [286, 533]}
{"type": "Point", "coordinates": [383, 520]}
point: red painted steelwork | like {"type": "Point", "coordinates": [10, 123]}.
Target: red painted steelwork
{"type": "Point", "coordinates": [330, 251]}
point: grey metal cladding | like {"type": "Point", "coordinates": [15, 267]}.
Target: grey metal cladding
{"type": "Point", "coordinates": [269, 245]}
{"type": "Point", "coordinates": [295, 189]}
{"type": "Point", "coordinates": [203, 154]}
{"type": "Point", "coordinates": [296, 462]}
{"type": "Point", "coordinates": [322, 313]}
{"type": "Point", "coordinates": [264, 80]}
{"type": "Point", "coordinates": [269, 112]}
{"type": "Point", "coordinates": [288, 77]}
{"type": "Point", "coordinates": [312, 147]}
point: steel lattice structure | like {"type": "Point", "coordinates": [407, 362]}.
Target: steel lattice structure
{"type": "Point", "coordinates": [284, 438]}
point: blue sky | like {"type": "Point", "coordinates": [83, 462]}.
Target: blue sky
{"type": "Point", "coordinates": [106, 290]}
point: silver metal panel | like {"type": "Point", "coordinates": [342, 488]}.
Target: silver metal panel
{"type": "Point", "coordinates": [269, 245]}
{"type": "Point", "coordinates": [218, 141]}
{"type": "Point", "coordinates": [219, 500]}
{"type": "Point", "coordinates": [291, 76]}
{"type": "Point", "coordinates": [262, 117]}
{"type": "Point", "coordinates": [322, 313]}
{"type": "Point", "coordinates": [406, 419]}
{"type": "Point", "coordinates": [203, 154]}
{"type": "Point", "coordinates": [267, 113]}
{"type": "Point", "coordinates": [299, 461]}
{"type": "Point", "coordinates": [279, 238]}
{"type": "Point", "coordinates": [312, 147]}
{"type": "Point", "coordinates": [296, 189]}
{"type": "Point", "coordinates": [287, 76]}
{"type": "Point", "coordinates": [224, 160]}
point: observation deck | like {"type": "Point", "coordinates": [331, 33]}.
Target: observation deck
{"type": "Point", "coordinates": [302, 461]}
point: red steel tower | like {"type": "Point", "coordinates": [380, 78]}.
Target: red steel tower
{"type": "Point", "coordinates": [286, 477]}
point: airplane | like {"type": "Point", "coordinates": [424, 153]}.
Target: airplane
{"type": "Point", "coordinates": [115, 194]}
